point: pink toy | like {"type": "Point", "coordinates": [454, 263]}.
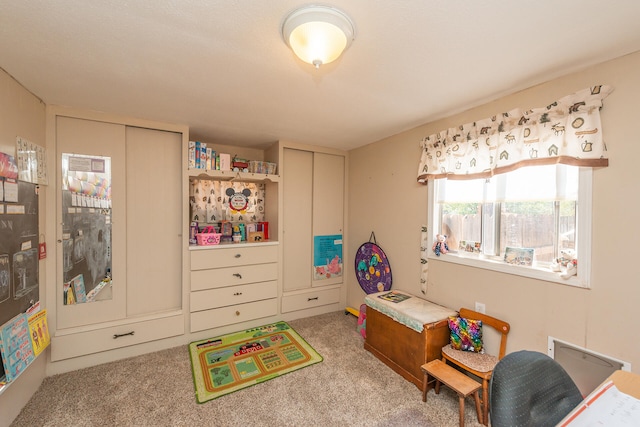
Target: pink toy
{"type": "Point", "coordinates": [334, 265]}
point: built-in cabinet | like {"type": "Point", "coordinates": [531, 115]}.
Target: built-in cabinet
{"type": "Point", "coordinates": [232, 284]}
{"type": "Point", "coordinates": [138, 253]}
{"type": "Point", "coordinates": [159, 288]}
{"type": "Point", "coordinates": [313, 218]}
{"type": "Point", "coordinates": [237, 285]}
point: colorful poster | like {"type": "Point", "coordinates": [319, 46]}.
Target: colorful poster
{"type": "Point", "coordinates": [15, 345]}
{"type": "Point", "coordinates": [39, 331]}
{"type": "Point", "coordinates": [327, 256]}
{"type": "Point", "coordinates": [8, 166]}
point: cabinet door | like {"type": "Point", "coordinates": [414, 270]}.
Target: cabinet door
{"type": "Point", "coordinates": [154, 221]}
{"type": "Point", "coordinates": [328, 213]}
{"type": "Point", "coordinates": [87, 139]}
{"type": "Point", "coordinates": [297, 181]}
{"type": "Point", "coordinates": [313, 192]}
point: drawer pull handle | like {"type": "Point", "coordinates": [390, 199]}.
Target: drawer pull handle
{"type": "Point", "coordinates": [238, 275]}
{"type": "Point", "coordinates": [237, 313]}
{"type": "Point", "coordinates": [312, 299]}
{"type": "Point", "coordinates": [116, 336]}
{"type": "Point", "coordinates": [238, 293]}
{"type": "Point", "coordinates": [238, 255]}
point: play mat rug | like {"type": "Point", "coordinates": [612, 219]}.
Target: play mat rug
{"type": "Point", "coordinates": [228, 363]}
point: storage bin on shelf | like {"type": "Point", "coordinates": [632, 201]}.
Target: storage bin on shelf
{"type": "Point", "coordinates": [208, 237]}
{"type": "Point", "coordinates": [258, 166]}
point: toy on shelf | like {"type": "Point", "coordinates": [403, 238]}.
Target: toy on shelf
{"type": "Point", "coordinates": [567, 260]}
{"type": "Point", "coordinates": [572, 269]}
{"type": "Point", "coordinates": [440, 245]}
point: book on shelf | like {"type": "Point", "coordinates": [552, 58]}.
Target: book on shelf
{"type": "Point", "coordinates": [21, 339]}
{"type": "Point", "coordinates": [191, 150]}
{"type": "Point", "coordinates": [225, 161]}
{"type": "Point", "coordinates": [3, 376]}
{"type": "Point", "coordinates": [15, 346]}
{"type": "Point", "coordinates": [210, 153]}
{"type": "Point", "coordinates": [78, 288]}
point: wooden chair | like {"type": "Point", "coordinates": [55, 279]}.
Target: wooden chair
{"type": "Point", "coordinates": [479, 364]}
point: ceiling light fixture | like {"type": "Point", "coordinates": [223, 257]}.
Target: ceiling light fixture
{"type": "Point", "coordinates": [318, 34]}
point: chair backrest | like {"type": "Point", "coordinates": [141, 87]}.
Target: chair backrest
{"type": "Point", "coordinates": [499, 325]}
{"type": "Point", "coordinates": [529, 388]}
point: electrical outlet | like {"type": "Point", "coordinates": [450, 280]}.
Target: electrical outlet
{"type": "Point", "coordinates": [480, 308]}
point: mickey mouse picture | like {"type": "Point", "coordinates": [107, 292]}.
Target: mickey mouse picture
{"type": "Point", "coordinates": [238, 201]}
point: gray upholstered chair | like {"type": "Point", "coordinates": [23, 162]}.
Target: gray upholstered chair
{"type": "Point", "coordinates": [529, 388]}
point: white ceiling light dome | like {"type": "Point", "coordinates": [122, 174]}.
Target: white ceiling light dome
{"type": "Point", "coordinates": [318, 34]}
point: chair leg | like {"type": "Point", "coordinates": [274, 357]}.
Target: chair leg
{"type": "Point", "coordinates": [425, 387]}
{"type": "Point", "coordinates": [485, 402]}
{"type": "Point", "coordinates": [461, 398]}
{"type": "Point", "coordinates": [476, 398]}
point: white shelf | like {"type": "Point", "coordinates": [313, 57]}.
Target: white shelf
{"type": "Point", "coordinates": [233, 176]}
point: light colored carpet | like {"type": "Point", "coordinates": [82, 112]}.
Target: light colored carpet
{"type": "Point", "coordinates": [349, 388]}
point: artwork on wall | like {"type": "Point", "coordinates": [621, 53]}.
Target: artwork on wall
{"type": "Point", "coordinates": [25, 272]}
{"type": "Point", "coordinates": [31, 161]}
{"type": "Point", "coordinates": [327, 256]}
{"type": "Point", "coordinates": [5, 278]}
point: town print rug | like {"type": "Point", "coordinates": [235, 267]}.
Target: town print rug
{"type": "Point", "coordinates": [231, 362]}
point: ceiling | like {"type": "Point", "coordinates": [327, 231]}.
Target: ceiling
{"type": "Point", "coordinates": [222, 68]}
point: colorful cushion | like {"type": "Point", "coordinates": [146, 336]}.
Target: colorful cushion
{"type": "Point", "coordinates": [466, 334]}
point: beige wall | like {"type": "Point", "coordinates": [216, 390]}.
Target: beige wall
{"type": "Point", "coordinates": [22, 114]}
{"type": "Point", "coordinates": [385, 198]}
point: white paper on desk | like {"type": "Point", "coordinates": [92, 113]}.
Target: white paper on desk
{"type": "Point", "coordinates": [607, 406]}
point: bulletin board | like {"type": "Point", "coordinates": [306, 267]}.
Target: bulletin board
{"type": "Point", "coordinates": [19, 237]}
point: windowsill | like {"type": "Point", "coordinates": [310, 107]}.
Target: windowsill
{"type": "Point", "coordinates": [534, 272]}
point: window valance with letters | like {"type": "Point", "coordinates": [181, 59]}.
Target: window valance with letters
{"type": "Point", "coordinates": [567, 131]}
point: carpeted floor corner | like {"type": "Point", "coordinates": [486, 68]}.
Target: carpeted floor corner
{"type": "Point", "coordinates": [350, 387]}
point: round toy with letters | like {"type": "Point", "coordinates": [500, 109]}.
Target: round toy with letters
{"type": "Point", "coordinates": [372, 267]}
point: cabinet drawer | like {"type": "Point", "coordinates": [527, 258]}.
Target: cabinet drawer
{"type": "Point", "coordinates": [218, 317]}
{"type": "Point", "coordinates": [232, 256]}
{"type": "Point", "coordinates": [93, 341]}
{"type": "Point", "coordinates": [231, 276]}
{"type": "Point", "coordinates": [232, 295]}
{"type": "Point", "coordinates": [310, 299]}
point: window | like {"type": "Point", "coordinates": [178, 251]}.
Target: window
{"type": "Point", "coordinates": [517, 222]}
